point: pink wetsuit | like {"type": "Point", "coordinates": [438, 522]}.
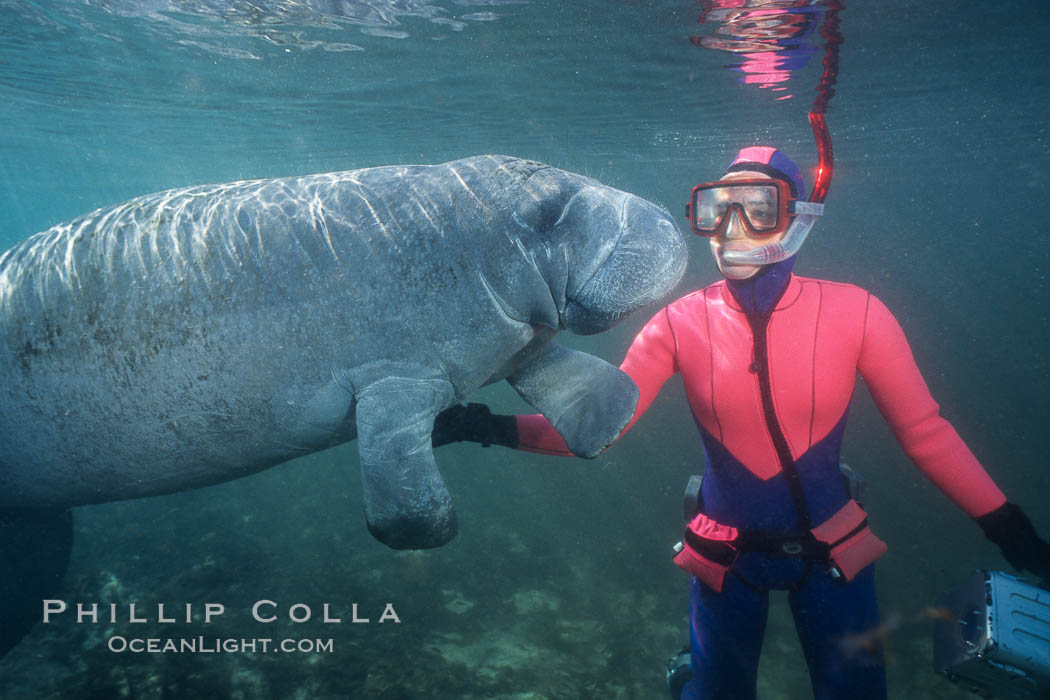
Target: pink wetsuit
{"type": "Point", "coordinates": [770, 390]}
{"type": "Point", "coordinates": [818, 337]}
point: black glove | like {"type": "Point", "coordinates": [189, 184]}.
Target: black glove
{"type": "Point", "coordinates": [474, 423]}
{"type": "Point", "coordinates": [1011, 530]}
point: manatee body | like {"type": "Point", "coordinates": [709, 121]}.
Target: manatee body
{"type": "Point", "coordinates": [198, 335]}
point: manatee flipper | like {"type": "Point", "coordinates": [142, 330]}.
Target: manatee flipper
{"type": "Point", "coordinates": [34, 555]}
{"type": "Point", "coordinates": [588, 401]}
{"type": "Point", "coordinates": [406, 503]}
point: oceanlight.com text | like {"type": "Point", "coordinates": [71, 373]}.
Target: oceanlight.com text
{"type": "Point", "coordinates": [217, 645]}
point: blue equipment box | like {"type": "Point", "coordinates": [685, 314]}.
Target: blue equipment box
{"type": "Point", "coordinates": [992, 636]}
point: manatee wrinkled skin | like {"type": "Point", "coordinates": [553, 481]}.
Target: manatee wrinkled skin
{"type": "Point", "coordinates": [198, 335]}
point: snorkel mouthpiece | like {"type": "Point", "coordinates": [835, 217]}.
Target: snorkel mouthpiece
{"type": "Point", "coordinates": [806, 214]}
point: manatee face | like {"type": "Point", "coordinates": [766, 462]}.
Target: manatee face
{"type": "Point", "coordinates": [627, 253]}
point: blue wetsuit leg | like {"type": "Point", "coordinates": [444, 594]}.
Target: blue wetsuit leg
{"type": "Point", "coordinates": [726, 631]}
{"type": "Point", "coordinates": [829, 614]}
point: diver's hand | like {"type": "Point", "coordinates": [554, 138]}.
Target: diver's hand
{"type": "Point", "coordinates": [474, 423]}
{"type": "Point", "coordinates": [1010, 529]}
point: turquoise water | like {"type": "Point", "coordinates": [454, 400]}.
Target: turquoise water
{"type": "Point", "coordinates": [560, 584]}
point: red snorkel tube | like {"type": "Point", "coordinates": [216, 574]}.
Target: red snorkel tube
{"type": "Point", "coordinates": [832, 38]}
{"type": "Point", "coordinates": [806, 213]}
{"type": "Point", "coordinates": [825, 157]}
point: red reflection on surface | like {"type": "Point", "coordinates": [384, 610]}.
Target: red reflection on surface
{"type": "Point", "coordinates": [767, 35]}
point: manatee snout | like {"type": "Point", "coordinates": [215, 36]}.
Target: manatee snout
{"type": "Point", "coordinates": [646, 262]}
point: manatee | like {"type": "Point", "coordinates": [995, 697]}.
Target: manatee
{"type": "Point", "coordinates": [198, 335]}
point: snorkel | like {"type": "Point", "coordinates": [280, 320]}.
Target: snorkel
{"type": "Point", "coordinates": [806, 212]}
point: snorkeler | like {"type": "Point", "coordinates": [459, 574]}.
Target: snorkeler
{"type": "Point", "coordinates": [769, 361]}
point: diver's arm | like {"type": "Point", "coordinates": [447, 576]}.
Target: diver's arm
{"type": "Point", "coordinates": [650, 362]}
{"type": "Point", "coordinates": [889, 369]}
{"type": "Point", "coordinates": [899, 391]}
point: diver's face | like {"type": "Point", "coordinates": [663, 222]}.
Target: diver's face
{"type": "Point", "coordinates": [736, 235]}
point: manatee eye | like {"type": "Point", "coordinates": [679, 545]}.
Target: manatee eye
{"type": "Point", "coordinates": [548, 215]}
{"type": "Point", "coordinates": [539, 219]}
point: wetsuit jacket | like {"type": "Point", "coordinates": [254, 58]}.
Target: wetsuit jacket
{"type": "Point", "coordinates": [770, 390]}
